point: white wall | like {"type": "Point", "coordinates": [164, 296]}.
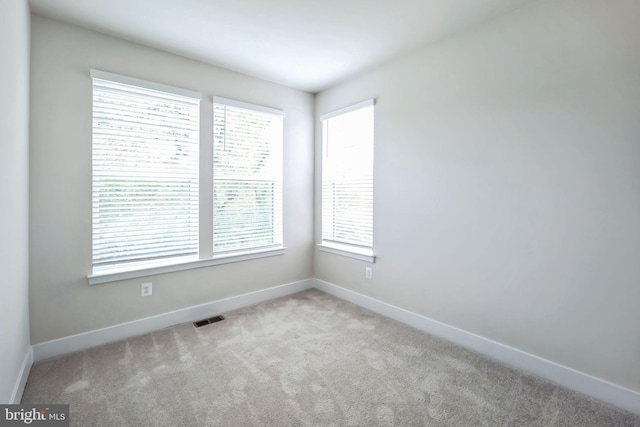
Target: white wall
{"type": "Point", "coordinates": [62, 302]}
{"type": "Point", "coordinates": [507, 183]}
{"type": "Point", "coordinates": [14, 197]}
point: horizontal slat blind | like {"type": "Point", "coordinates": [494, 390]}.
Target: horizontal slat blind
{"type": "Point", "coordinates": [145, 173]}
{"type": "Point", "coordinates": [347, 177]}
{"type": "Point", "coordinates": [247, 178]}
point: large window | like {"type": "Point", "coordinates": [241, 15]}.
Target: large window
{"type": "Point", "coordinates": [145, 171]}
{"type": "Point", "coordinates": [347, 180]}
{"type": "Point", "coordinates": [247, 176]}
{"type": "Point", "coordinates": [153, 192]}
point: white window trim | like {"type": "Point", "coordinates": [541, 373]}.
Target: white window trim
{"type": "Point", "coordinates": [132, 81]}
{"type": "Point", "coordinates": [363, 254]}
{"type": "Point", "coordinates": [150, 268]}
{"type": "Point", "coordinates": [187, 96]}
{"type": "Point", "coordinates": [351, 251]}
{"type": "Point", "coordinates": [280, 114]}
{"type": "Point", "coordinates": [247, 106]}
{"type": "Point", "coordinates": [350, 108]}
{"type": "Point", "coordinates": [135, 269]}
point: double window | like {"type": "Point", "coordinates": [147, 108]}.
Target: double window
{"type": "Point", "coordinates": [147, 192]}
{"type": "Point", "coordinates": [347, 181]}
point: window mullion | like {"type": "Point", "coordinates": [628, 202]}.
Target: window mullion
{"type": "Point", "coordinates": [205, 247]}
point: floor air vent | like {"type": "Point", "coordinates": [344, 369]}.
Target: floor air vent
{"type": "Point", "coordinates": [204, 322]}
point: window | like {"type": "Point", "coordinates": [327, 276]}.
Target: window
{"type": "Point", "coordinates": [148, 200]}
{"type": "Point", "coordinates": [145, 170]}
{"type": "Point", "coordinates": [247, 176]}
{"type": "Point", "coordinates": [347, 181]}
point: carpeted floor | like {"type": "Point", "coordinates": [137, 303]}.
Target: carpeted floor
{"type": "Point", "coordinates": [308, 359]}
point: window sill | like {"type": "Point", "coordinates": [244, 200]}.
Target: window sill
{"type": "Point", "coordinates": [348, 251]}
{"type": "Point", "coordinates": [142, 269]}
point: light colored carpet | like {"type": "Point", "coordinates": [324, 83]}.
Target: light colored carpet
{"type": "Point", "coordinates": [308, 359]}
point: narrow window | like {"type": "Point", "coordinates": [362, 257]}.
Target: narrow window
{"type": "Point", "coordinates": [247, 177]}
{"type": "Point", "coordinates": [347, 179]}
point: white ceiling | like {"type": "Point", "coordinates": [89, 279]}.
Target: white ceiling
{"type": "Point", "coordinates": [305, 44]}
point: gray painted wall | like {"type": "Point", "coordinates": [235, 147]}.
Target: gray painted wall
{"type": "Point", "coordinates": [62, 302]}
{"type": "Point", "coordinates": [14, 188]}
{"type": "Point", "coordinates": [507, 186]}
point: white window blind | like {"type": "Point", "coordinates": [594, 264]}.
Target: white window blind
{"type": "Point", "coordinates": [247, 177]}
{"type": "Point", "coordinates": [145, 170]}
{"type": "Point", "coordinates": [347, 177]}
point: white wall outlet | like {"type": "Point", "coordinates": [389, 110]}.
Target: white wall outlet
{"type": "Point", "coordinates": [368, 273]}
{"type": "Point", "coordinates": [146, 289]}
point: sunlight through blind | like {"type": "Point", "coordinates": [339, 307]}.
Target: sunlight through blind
{"type": "Point", "coordinates": [145, 170]}
{"type": "Point", "coordinates": [347, 176]}
{"type": "Point", "coordinates": [247, 177]}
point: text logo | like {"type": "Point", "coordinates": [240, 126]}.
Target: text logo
{"type": "Point", "coordinates": [34, 415]}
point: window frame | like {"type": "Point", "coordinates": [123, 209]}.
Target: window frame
{"type": "Point", "coordinates": [363, 253]}
{"type": "Point", "coordinates": [205, 257]}
{"type": "Point", "coordinates": [278, 178]}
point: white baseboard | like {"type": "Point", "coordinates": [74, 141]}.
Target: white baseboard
{"type": "Point", "coordinates": [21, 381]}
{"type": "Point", "coordinates": [85, 340]}
{"type": "Point", "coordinates": [559, 374]}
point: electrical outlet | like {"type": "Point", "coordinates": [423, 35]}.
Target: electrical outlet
{"type": "Point", "coordinates": [368, 273]}
{"type": "Point", "coordinates": [146, 289]}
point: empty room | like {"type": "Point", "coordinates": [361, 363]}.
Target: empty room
{"type": "Point", "coordinates": [334, 213]}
